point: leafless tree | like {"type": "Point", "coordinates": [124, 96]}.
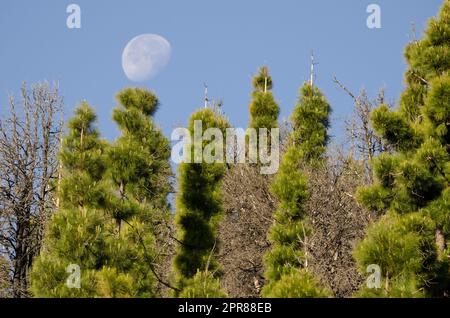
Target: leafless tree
{"type": "Point", "coordinates": [337, 222]}
{"type": "Point", "coordinates": [364, 142]}
{"type": "Point", "coordinates": [29, 142]}
{"type": "Point", "coordinates": [249, 207]}
{"type": "Point", "coordinates": [248, 210]}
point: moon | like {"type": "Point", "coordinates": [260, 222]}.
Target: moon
{"type": "Point", "coordinates": [145, 56]}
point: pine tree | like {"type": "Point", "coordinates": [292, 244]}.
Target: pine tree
{"type": "Point", "coordinates": [285, 262]}
{"type": "Point", "coordinates": [310, 121]}
{"type": "Point", "coordinates": [264, 110]}
{"type": "Point", "coordinates": [199, 210]}
{"type": "Point", "coordinates": [412, 192]}
{"type": "Point", "coordinates": [139, 170]}
{"type": "Point", "coordinates": [113, 207]}
{"type": "Point", "coordinates": [78, 232]}
{"type": "Point", "coordinates": [202, 285]}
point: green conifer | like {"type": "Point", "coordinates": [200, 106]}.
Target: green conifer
{"type": "Point", "coordinates": [113, 201]}
{"type": "Point", "coordinates": [199, 209]}
{"type": "Point", "coordinates": [285, 271]}
{"type": "Point", "coordinates": [263, 108]}
{"type": "Point", "coordinates": [139, 170]}
{"type": "Point", "coordinates": [78, 232]}
{"type": "Point", "coordinates": [411, 194]}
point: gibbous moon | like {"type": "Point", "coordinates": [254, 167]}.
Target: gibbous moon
{"type": "Point", "coordinates": [145, 56]}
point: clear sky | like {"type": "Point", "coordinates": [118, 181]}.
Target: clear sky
{"type": "Point", "coordinates": [221, 43]}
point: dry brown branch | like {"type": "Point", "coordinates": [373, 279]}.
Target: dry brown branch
{"type": "Point", "coordinates": [248, 207]}
{"type": "Point", "coordinates": [337, 221]}
{"type": "Point", "coordinates": [365, 144]}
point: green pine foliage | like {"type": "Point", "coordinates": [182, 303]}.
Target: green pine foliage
{"type": "Point", "coordinates": [139, 174]}
{"type": "Point", "coordinates": [400, 287]}
{"type": "Point", "coordinates": [297, 283]}
{"type": "Point", "coordinates": [400, 245]}
{"type": "Point", "coordinates": [412, 188]}
{"type": "Point", "coordinates": [285, 261]}
{"type": "Point", "coordinates": [202, 285]}
{"type": "Point", "coordinates": [263, 108]}
{"type": "Point", "coordinates": [79, 232]}
{"type": "Point", "coordinates": [112, 201]}
{"type": "Point", "coordinates": [83, 160]}
{"type": "Point", "coordinates": [310, 122]}
{"type": "Point", "coordinates": [198, 211]}
{"type": "Point", "coordinates": [139, 159]}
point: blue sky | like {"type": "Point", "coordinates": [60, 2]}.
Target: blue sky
{"type": "Point", "coordinates": [221, 43]}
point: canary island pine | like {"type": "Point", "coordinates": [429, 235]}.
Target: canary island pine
{"type": "Point", "coordinates": [412, 191]}
{"type": "Point", "coordinates": [286, 273]}
{"type": "Point", "coordinates": [198, 211]}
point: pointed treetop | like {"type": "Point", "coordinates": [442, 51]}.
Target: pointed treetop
{"type": "Point", "coordinates": [263, 81]}
{"type": "Point", "coordinates": [83, 120]}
